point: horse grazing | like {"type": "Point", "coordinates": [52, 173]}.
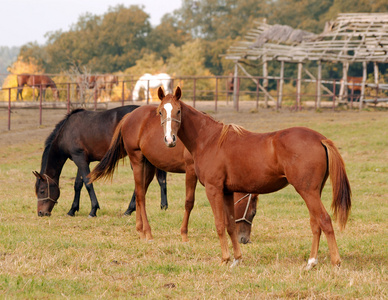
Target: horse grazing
{"type": "Point", "coordinates": [83, 136]}
{"type": "Point", "coordinates": [139, 136]}
{"type": "Point", "coordinates": [99, 82]}
{"type": "Point", "coordinates": [36, 81]}
{"type": "Point", "coordinates": [230, 159]}
{"type": "Point", "coordinates": [148, 81]}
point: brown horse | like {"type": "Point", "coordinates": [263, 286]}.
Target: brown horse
{"type": "Point", "coordinates": [36, 81]}
{"type": "Point", "coordinates": [230, 159]}
{"type": "Point", "coordinates": [139, 136]}
{"type": "Point", "coordinates": [99, 82]}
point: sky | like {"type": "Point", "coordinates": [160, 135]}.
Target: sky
{"type": "Point", "coordinates": [24, 21]}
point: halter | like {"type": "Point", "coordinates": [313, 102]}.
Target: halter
{"type": "Point", "coordinates": [169, 119]}
{"type": "Point", "coordinates": [48, 190]}
{"type": "Point", "coordinates": [246, 209]}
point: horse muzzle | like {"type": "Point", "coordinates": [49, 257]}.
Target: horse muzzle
{"type": "Point", "coordinates": [44, 213]}
{"type": "Point", "coordinates": [170, 141]}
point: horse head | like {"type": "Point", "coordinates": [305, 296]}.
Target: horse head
{"type": "Point", "coordinates": [245, 211]}
{"type": "Point", "coordinates": [47, 192]}
{"type": "Point", "coordinates": [170, 115]}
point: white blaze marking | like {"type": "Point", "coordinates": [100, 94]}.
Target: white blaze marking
{"type": "Point", "coordinates": [168, 133]}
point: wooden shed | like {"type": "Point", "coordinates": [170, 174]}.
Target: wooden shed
{"type": "Point", "coordinates": [352, 37]}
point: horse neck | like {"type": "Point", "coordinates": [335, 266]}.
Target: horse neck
{"type": "Point", "coordinates": [197, 131]}
{"type": "Point", "coordinates": [52, 161]}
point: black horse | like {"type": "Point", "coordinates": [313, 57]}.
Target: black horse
{"type": "Point", "coordinates": [82, 136]}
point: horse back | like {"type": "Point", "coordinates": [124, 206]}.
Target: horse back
{"type": "Point", "coordinates": [89, 133]}
{"type": "Point", "coordinates": [267, 162]}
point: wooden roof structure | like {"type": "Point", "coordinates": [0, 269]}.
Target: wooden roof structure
{"type": "Point", "coordinates": [352, 37]}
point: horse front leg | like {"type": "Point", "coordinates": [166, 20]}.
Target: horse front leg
{"type": "Point", "coordinates": [78, 183]}
{"type": "Point", "coordinates": [216, 199]}
{"type": "Point", "coordinates": [161, 176]}
{"type": "Point", "coordinates": [191, 183]}
{"type": "Point", "coordinates": [84, 170]}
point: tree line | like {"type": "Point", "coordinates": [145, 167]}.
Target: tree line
{"type": "Point", "coordinates": [123, 40]}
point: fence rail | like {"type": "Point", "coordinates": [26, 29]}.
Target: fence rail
{"type": "Point", "coordinates": [211, 88]}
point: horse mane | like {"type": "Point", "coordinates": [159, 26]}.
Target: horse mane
{"type": "Point", "coordinates": [225, 129]}
{"type": "Point", "coordinates": [51, 138]}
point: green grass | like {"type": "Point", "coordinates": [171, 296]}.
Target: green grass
{"type": "Point", "coordinates": [64, 257]}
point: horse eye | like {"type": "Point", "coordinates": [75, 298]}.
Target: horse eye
{"type": "Point", "coordinates": [179, 111]}
{"type": "Point", "coordinates": [160, 113]}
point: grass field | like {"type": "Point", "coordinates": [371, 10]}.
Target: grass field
{"type": "Point", "coordinates": [65, 257]}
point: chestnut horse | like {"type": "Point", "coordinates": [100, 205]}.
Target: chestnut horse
{"type": "Point", "coordinates": [230, 159]}
{"type": "Point", "coordinates": [82, 136]}
{"type": "Point", "coordinates": [139, 135]}
{"type": "Point", "coordinates": [36, 81]}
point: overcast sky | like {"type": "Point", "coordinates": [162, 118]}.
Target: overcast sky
{"type": "Point", "coordinates": [23, 21]}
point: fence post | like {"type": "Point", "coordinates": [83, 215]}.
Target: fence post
{"type": "Point", "coordinates": [257, 93]}
{"type": "Point", "coordinates": [216, 98]}
{"type": "Point", "coordinates": [194, 89]}
{"type": "Point", "coordinates": [148, 92]}
{"type": "Point", "coordinates": [299, 87]}
{"type": "Point", "coordinates": [122, 94]}
{"type": "Point", "coordinates": [9, 109]}
{"type": "Point", "coordinates": [95, 98]}
{"type": "Point", "coordinates": [68, 98]}
{"type": "Point", "coordinates": [334, 83]}
{"type": "Point", "coordinates": [40, 105]}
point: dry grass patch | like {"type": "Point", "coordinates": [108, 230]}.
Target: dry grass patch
{"type": "Point", "coordinates": [64, 257]}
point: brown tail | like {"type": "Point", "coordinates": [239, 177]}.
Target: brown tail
{"type": "Point", "coordinates": [106, 167]}
{"type": "Point", "coordinates": [342, 193]}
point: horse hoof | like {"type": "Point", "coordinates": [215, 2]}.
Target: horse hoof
{"type": "Point", "coordinates": [312, 262]}
{"type": "Point", "coordinates": [164, 207]}
{"type": "Point", "coordinates": [71, 214]}
{"type": "Point", "coordinates": [235, 263]}
{"type": "Point", "coordinates": [92, 216]}
{"type": "Point", "coordinates": [128, 213]}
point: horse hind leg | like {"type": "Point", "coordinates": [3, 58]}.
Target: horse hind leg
{"type": "Point", "coordinates": [78, 183]}
{"type": "Point", "coordinates": [161, 176]}
{"type": "Point", "coordinates": [143, 173]}
{"type": "Point", "coordinates": [316, 230]}
{"type": "Point", "coordinates": [320, 221]}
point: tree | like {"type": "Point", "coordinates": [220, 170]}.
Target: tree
{"type": "Point", "coordinates": [107, 43]}
{"type": "Point", "coordinates": [169, 32]}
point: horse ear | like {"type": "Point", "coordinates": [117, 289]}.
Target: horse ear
{"type": "Point", "coordinates": [178, 92]}
{"type": "Point", "coordinates": [161, 93]}
{"type": "Point", "coordinates": [37, 175]}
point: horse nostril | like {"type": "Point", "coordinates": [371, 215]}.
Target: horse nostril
{"type": "Point", "coordinates": [243, 240]}
{"type": "Point", "coordinates": [40, 214]}
{"type": "Point", "coordinates": [173, 138]}
{"type": "Point", "coordinates": [165, 140]}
